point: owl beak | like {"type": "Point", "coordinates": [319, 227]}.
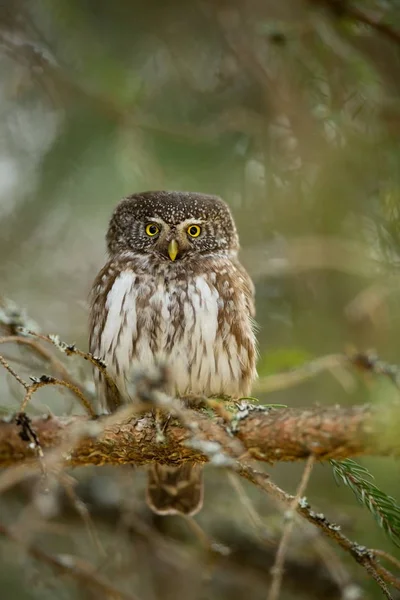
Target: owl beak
{"type": "Point", "coordinates": [173, 249]}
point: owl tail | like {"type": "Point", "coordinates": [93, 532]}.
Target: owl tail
{"type": "Point", "coordinates": [175, 490]}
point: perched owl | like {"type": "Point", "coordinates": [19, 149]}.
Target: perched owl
{"type": "Point", "coordinates": [174, 292]}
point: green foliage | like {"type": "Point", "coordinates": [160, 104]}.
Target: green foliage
{"type": "Point", "coordinates": [282, 359]}
{"type": "Point", "coordinates": [384, 508]}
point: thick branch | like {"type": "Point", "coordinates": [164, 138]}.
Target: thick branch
{"type": "Point", "coordinates": [272, 435]}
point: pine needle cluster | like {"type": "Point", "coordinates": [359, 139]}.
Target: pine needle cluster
{"type": "Point", "coordinates": [384, 508]}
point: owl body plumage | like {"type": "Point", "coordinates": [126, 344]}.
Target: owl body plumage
{"type": "Point", "coordinates": [193, 319]}
{"type": "Point", "coordinates": [192, 313]}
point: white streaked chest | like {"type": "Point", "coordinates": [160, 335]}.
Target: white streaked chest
{"type": "Point", "coordinates": [176, 322]}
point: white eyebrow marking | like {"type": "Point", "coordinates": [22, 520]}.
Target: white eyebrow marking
{"type": "Point", "coordinates": [191, 222]}
{"type": "Point", "coordinates": [157, 220]}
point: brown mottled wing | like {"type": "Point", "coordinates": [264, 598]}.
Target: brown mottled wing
{"type": "Point", "coordinates": [175, 490]}
{"type": "Point", "coordinates": [244, 293]}
{"type": "Point", "coordinates": [248, 288]}
{"type": "Point", "coordinates": [108, 395]}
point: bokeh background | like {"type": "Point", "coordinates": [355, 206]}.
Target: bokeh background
{"type": "Point", "coordinates": [290, 111]}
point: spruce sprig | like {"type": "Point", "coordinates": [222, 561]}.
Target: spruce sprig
{"type": "Point", "coordinates": [384, 508]}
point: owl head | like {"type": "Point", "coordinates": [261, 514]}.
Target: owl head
{"type": "Point", "coordinates": [172, 226]}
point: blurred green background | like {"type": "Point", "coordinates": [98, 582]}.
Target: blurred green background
{"type": "Point", "coordinates": [290, 111]}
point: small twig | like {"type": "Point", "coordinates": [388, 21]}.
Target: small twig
{"type": "Point", "coordinates": [346, 9]}
{"type": "Point", "coordinates": [13, 373]}
{"type": "Point", "coordinates": [44, 354]}
{"type": "Point", "coordinates": [370, 362]}
{"type": "Point", "coordinates": [364, 361]}
{"type": "Point", "coordinates": [27, 433]}
{"type": "Point", "coordinates": [387, 557]}
{"type": "Point", "coordinates": [277, 569]}
{"type": "Point", "coordinates": [291, 378]}
{"type": "Point", "coordinates": [380, 26]}
{"type": "Point", "coordinates": [253, 515]}
{"type": "Point", "coordinates": [333, 564]}
{"type": "Point", "coordinates": [379, 579]}
{"type": "Point", "coordinates": [205, 541]}
{"type": "Point", "coordinates": [46, 380]}
{"type": "Point", "coordinates": [70, 349]}
{"type": "Point", "coordinates": [361, 554]}
{"type": "Point", "coordinates": [68, 483]}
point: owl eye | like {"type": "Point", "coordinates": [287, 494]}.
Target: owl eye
{"type": "Point", "coordinates": [152, 229]}
{"type": "Point", "coordinates": [194, 230]}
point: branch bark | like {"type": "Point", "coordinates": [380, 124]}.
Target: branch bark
{"type": "Point", "coordinates": [268, 435]}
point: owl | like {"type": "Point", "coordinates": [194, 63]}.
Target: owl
{"type": "Point", "coordinates": [173, 292]}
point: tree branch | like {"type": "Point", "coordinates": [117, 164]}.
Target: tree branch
{"type": "Point", "coordinates": [267, 434]}
{"type": "Point", "coordinates": [374, 19]}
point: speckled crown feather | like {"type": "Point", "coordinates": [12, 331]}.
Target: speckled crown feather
{"type": "Point", "coordinates": [173, 207]}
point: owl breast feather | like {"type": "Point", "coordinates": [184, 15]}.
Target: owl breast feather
{"type": "Point", "coordinates": [200, 327]}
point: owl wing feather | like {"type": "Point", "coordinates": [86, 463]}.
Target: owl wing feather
{"type": "Point", "coordinates": [247, 287]}
{"type": "Point", "coordinates": [106, 325]}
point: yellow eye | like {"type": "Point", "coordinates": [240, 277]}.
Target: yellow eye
{"type": "Point", "coordinates": [194, 230]}
{"type": "Point", "coordinates": [152, 229]}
